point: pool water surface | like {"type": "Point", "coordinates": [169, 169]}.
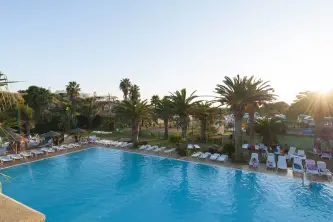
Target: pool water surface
{"type": "Point", "coordinates": [101, 184]}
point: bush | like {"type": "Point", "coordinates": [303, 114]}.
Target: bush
{"type": "Point", "coordinates": [144, 142]}
{"type": "Point", "coordinates": [229, 149]}
{"type": "Point", "coordinates": [174, 138]}
{"type": "Point", "coordinates": [182, 151]}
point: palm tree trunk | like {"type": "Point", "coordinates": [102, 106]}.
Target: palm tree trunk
{"type": "Point", "coordinates": [251, 126]}
{"type": "Point", "coordinates": [135, 132]}
{"type": "Point", "coordinates": [238, 138]}
{"type": "Point", "coordinates": [183, 124]}
{"type": "Point", "coordinates": [166, 129]}
{"type": "Point", "coordinates": [203, 130]}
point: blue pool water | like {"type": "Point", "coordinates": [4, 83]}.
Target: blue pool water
{"type": "Point", "coordinates": [109, 185]}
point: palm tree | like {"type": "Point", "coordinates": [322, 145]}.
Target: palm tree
{"type": "Point", "coordinates": [264, 90]}
{"type": "Point", "coordinates": [206, 114]}
{"type": "Point", "coordinates": [125, 85]}
{"type": "Point", "coordinates": [163, 109]}
{"type": "Point", "coordinates": [182, 105]}
{"type": "Point", "coordinates": [73, 92]}
{"type": "Point", "coordinates": [136, 111]}
{"type": "Point", "coordinates": [318, 105]}
{"type": "Point", "coordinates": [268, 128]}
{"type": "Point", "coordinates": [90, 108]}
{"type": "Point", "coordinates": [238, 93]}
{"type": "Point", "coordinates": [134, 92]}
{"type": "Point", "coordinates": [155, 99]}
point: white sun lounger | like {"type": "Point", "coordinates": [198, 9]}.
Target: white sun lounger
{"type": "Point", "coordinates": [25, 154]}
{"type": "Point", "coordinates": [58, 148]}
{"type": "Point", "coordinates": [124, 145]}
{"type": "Point", "coordinates": [197, 154]}
{"type": "Point", "coordinates": [196, 146]}
{"type": "Point", "coordinates": [323, 171]}
{"type": "Point", "coordinates": [190, 146]}
{"type": "Point", "coordinates": [143, 147]}
{"type": "Point", "coordinates": [301, 154]}
{"type": "Point", "coordinates": [311, 168]}
{"type": "Point", "coordinates": [170, 150]}
{"type": "Point", "coordinates": [291, 152]}
{"type": "Point", "coordinates": [47, 150]}
{"type": "Point", "coordinates": [214, 156]}
{"type": "Point", "coordinates": [129, 145]}
{"type": "Point", "coordinates": [36, 152]}
{"type": "Point", "coordinates": [222, 158]}
{"type": "Point", "coordinates": [205, 155]}
{"type": "Point", "coordinates": [297, 165]}
{"type": "Point", "coordinates": [282, 163]}
{"type": "Point", "coordinates": [15, 156]}
{"type": "Point", "coordinates": [159, 149]}
{"type": "Point", "coordinates": [4, 159]}
{"type": "Point", "coordinates": [254, 161]}
{"type": "Point", "coordinates": [270, 163]}
{"type": "Point", "coordinates": [151, 148]}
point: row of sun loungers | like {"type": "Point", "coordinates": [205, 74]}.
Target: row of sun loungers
{"type": "Point", "coordinates": [207, 155]}
{"type": "Point", "coordinates": [157, 149]}
{"type": "Point", "coordinates": [114, 143]}
{"type": "Point", "coordinates": [193, 146]}
{"type": "Point", "coordinates": [310, 165]}
{"type": "Point", "coordinates": [36, 152]}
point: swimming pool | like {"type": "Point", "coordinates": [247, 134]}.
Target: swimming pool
{"type": "Point", "coordinates": [101, 184]}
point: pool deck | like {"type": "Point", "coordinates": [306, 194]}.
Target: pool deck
{"type": "Point", "coordinates": [261, 169]}
{"type": "Point", "coordinates": [13, 211]}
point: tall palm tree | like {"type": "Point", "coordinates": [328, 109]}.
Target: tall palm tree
{"type": "Point", "coordinates": [316, 104]}
{"type": "Point", "coordinates": [155, 99]}
{"type": "Point", "coordinates": [206, 114]}
{"type": "Point", "coordinates": [237, 93]}
{"type": "Point", "coordinates": [134, 92]}
{"type": "Point", "coordinates": [258, 87]}
{"type": "Point", "coordinates": [125, 85]}
{"type": "Point", "coordinates": [163, 109]}
{"type": "Point", "coordinates": [136, 111]}
{"type": "Point", "coordinates": [73, 92]}
{"type": "Point", "coordinates": [182, 105]}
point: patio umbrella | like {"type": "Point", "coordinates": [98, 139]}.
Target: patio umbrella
{"type": "Point", "coordinates": [50, 134]}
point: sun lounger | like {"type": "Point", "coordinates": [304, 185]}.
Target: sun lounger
{"type": "Point", "coordinates": [297, 165]}
{"type": "Point", "coordinates": [25, 154]}
{"type": "Point", "coordinates": [291, 152]}
{"type": "Point", "coordinates": [323, 171]}
{"type": "Point", "coordinates": [277, 150]}
{"type": "Point", "coordinates": [151, 148]}
{"type": "Point", "coordinates": [123, 145]}
{"type": "Point", "coordinates": [282, 163]}
{"type": "Point", "coordinates": [245, 146]}
{"type": "Point", "coordinates": [159, 149]}
{"type": "Point", "coordinates": [170, 150]}
{"type": "Point", "coordinates": [196, 146]}
{"type": "Point", "coordinates": [301, 154]}
{"type": "Point", "coordinates": [36, 152]}
{"type": "Point", "coordinates": [190, 146]}
{"type": "Point", "coordinates": [4, 159]}
{"type": "Point", "coordinates": [311, 168]}
{"type": "Point", "coordinates": [254, 161]}
{"type": "Point", "coordinates": [205, 155]}
{"type": "Point", "coordinates": [47, 150]}
{"type": "Point", "coordinates": [270, 163]}
{"type": "Point", "coordinates": [76, 145]}
{"type": "Point", "coordinates": [143, 147]}
{"type": "Point", "coordinates": [129, 145]}
{"type": "Point", "coordinates": [58, 148]}
{"type": "Point", "coordinates": [197, 154]}
{"type": "Point", "coordinates": [15, 156]}
{"type": "Point", "coordinates": [214, 156]}
{"type": "Point", "coordinates": [70, 146]}
{"type": "Point", "coordinates": [326, 154]}
{"type": "Point", "coordinates": [222, 158]}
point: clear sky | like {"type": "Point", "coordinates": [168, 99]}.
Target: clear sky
{"type": "Point", "coordinates": [166, 45]}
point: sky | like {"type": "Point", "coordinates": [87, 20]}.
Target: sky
{"type": "Point", "coordinates": [167, 45]}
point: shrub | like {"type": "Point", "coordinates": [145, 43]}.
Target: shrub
{"type": "Point", "coordinates": [182, 151]}
{"type": "Point", "coordinates": [174, 138]}
{"type": "Point", "coordinates": [229, 149]}
{"type": "Point", "coordinates": [143, 142]}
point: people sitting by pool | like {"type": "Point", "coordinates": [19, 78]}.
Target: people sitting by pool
{"type": "Point", "coordinates": [286, 149]}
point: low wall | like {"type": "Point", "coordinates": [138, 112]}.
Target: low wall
{"type": "Point", "coordinates": [14, 211]}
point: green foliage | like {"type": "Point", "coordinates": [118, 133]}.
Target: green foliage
{"type": "Point", "coordinates": [268, 128]}
{"type": "Point", "coordinates": [174, 138]}
{"type": "Point", "coordinates": [124, 86]}
{"type": "Point", "coordinates": [182, 151]}
{"type": "Point", "coordinates": [229, 149]}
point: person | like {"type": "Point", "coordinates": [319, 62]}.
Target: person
{"type": "Point", "coordinates": [286, 148]}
